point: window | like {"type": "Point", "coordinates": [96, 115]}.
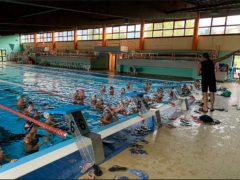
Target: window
{"type": "Point", "coordinates": [123, 32]}
{"type": "Point", "coordinates": [3, 55]}
{"type": "Point", "coordinates": [27, 38]}
{"type": "Point", "coordinates": [64, 36]}
{"type": "Point", "coordinates": [90, 34]}
{"type": "Point", "coordinates": [219, 25]}
{"type": "Point", "coordinates": [168, 29]}
{"type": "Point", "coordinates": [47, 37]}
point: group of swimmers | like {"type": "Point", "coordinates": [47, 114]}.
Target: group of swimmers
{"type": "Point", "coordinates": [31, 140]}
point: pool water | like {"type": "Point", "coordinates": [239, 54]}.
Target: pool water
{"type": "Point", "coordinates": [30, 79]}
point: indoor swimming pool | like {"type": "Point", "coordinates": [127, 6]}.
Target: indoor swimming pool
{"type": "Point", "coordinates": [44, 85]}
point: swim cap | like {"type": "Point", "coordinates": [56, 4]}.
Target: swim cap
{"type": "Point", "coordinates": [30, 103]}
{"type": "Point", "coordinates": [111, 87]}
{"type": "Point", "coordinates": [123, 89]}
{"type": "Point", "coordinates": [146, 83]}
{"type": "Point", "coordinates": [32, 113]}
{"type": "Point", "coordinates": [80, 91]}
{"type": "Point", "coordinates": [46, 115]}
{"type": "Point", "coordinates": [28, 126]}
{"type": "Point", "coordinates": [106, 112]}
{"type": "Point", "coordinates": [18, 97]}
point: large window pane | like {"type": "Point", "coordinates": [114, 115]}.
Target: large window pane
{"type": "Point", "coordinates": [130, 35]}
{"type": "Point", "coordinates": [179, 24]}
{"type": "Point", "coordinates": [190, 23]}
{"type": "Point", "coordinates": [231, 20]}
{"type": "Point", "coordinates": [157, 26]}
{"type": "Point", "coordinates": [167, 33]}
{"type": "Point", "coordinates": [79, 32]}
{"type": "Point", "coordinates": [32, 36]}
{"type": "Point", "coordinates": [109, 36]}
{"type": "Point", "coordinates": [123, 35]}
{"type": "Point", "coordinates": [115, 36]}
{"type": "Point", "coordinates": [109, 29]}
{"type": "Point", "coordinates": [116, 29]}
{"type": "Point", "coordinates": [84, 32]}
{"type": "Point", "coordinates": [148, 27]}
{"type": "Point", "coordinates": [65, 33]}
{"type": "Point", "coordinates": [60, 34]}
{"type": "Point", "coordinates": [100, 37]}
{"type": "Point", "coordinates": [138, 27]}
{"type": "Point", "coordinates": [69, 33]}
{"type": "Point", "coordinates": [84, 38]}
{"type": "Point", "coordinates": [137, 34]}
{"type": "Point", "coordinates": [90, 37]}
{"type": "Point", "coordinates": [130, 28]}
{"type": "Point", "coordinates": [56, 39]}
{"type": "Point", "coordinates": [168, 25]}
{"type": "Point", "coordinates": [188, 32]}
{"type": "Point", "coordinates": [60, 39]}
{"type": "Point", "coordinates": [64, 38]}
{"type": "Point", "coordinates": [179, 32]}
{"type": "Point", "coordinates": [49, 39]}
{"type": "Point", "coordinates": [148, 34]}
{"type": "Point", "coordinates": [32, 40]}
{"type": "Point", "coordinates": [217, 30]}
{"type": "Point", "coordinates": [96, 31]}
{"type": "Point", "coordinates": [205, 22]}
{"type": "Point", "coordinates": [96, 37]}
{"type": "Point", "coordinates": [90, 31]}
{"type": "Point", "coordinates": [123, 28]}
{"type": "Point", "coordinates": [157, 33]}
{"type": "Point", "coordinates": [79, 38]}
{"type": "Point", "coordinates": [69, 38]}
{"type": "Point", "coordinates": [232, 29]}
{"type": "Point", "coordinates": [219, 21]}
{"type": "Point", "coordinates": [204, 31]}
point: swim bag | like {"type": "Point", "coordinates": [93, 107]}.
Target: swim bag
{"type": "Point", "coordinates": [206, 119]}
{"type": "Point", "coordinates": [226, 93]}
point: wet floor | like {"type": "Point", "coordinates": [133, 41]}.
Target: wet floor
{"type": "Point", "coordinates": [200, 151]}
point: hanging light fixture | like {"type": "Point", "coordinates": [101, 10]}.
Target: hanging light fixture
{"type": "Point", "coordinates": [214, 12]}
{"type": "Point", "coordinates": [126, 21]}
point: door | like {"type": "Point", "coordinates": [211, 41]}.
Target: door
{"type": "Point", "coordinates": [112, 62]}
{"type": "Point", "coordinates": [3, 55]}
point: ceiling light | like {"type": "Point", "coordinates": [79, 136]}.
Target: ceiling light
{"type": "Point", "coordinates": [214, 12]}
{"type": "Point", "coordinates": [126, 21]}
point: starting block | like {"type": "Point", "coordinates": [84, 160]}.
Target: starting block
{"type": "Point", "coordinates": [89, 144]}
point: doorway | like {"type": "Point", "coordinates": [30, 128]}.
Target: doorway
{"type": "Point", "coordinates": [3, 54]}
{"type": "Point", "coordinates": [112, 62]}
{"type": "Point", "coordinates": [236, 60]}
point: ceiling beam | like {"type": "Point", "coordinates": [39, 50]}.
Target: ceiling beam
{"type": "Point", "coordinates": [205, 8]}
{"type": "Point", "coordinates": [28, 15]}
{"type": "Point", "coordinates": [64, 9]}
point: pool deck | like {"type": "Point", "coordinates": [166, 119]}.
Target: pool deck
{"type": "Point", "coordinates": [198, 152]}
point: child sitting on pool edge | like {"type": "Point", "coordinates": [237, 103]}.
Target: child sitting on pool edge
{"type": "Point", "coordinates": [5, 157]}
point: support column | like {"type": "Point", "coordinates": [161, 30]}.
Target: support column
{"type": "Point", "coordinates": [195, 33]}
{"type": "Point", "coordinates": [104, 36]}
{"type": "Point", "coordinates": [141, 43]}
{"type": "Point", "coordinates": [53, 40]}
{"type": "Point", "coordinates": [35, 39]}
{"type": "Point", "coordinates": [43, 45]}
{"type": "Point", "coordinates": [75, 39]}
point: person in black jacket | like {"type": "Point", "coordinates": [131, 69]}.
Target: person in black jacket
{"type": "Point", "coordinates": [207, 70]}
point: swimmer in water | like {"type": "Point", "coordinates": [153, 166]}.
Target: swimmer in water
{"type": "Point", "coordinates": [34, 114]}
{"type": "Point", "coordinates": [32, 138]}
{"type": "Point", "coordinates": [100, 103]}
{"type": "Point", "coordinates": [30, 107]}
{"type": "Point", "coordinates": [135, 110]}
{"type": "Point", "coordinates": [20, 101]}
{"type": "Point", "coordinates": [103, 89]}
{"type": "Point", "coordinates": [80, 98]}
{"type": "Point", "coordinates": [31, 111]}
{"type": "Point", "coordinates": [94, 99]}
{"type": "Point", "coordinates": [123, 91]}
{"type": "Point", "coordinates": [108, 113]}
{"type": "Point", "coordinates": [146, 88]}
{"type": "Point", "coordinates": [75, 94]}
{"type": "Point", "coordinates": [5, 157]}
{"type": "Point", "coordinates": [150, 83]}
{"type": "Point", "coordinates": [49, 119]}
{"type": "Point", "coordinates": [111, 92]}
{"type": "Point", "coordinates": [129, 85]}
